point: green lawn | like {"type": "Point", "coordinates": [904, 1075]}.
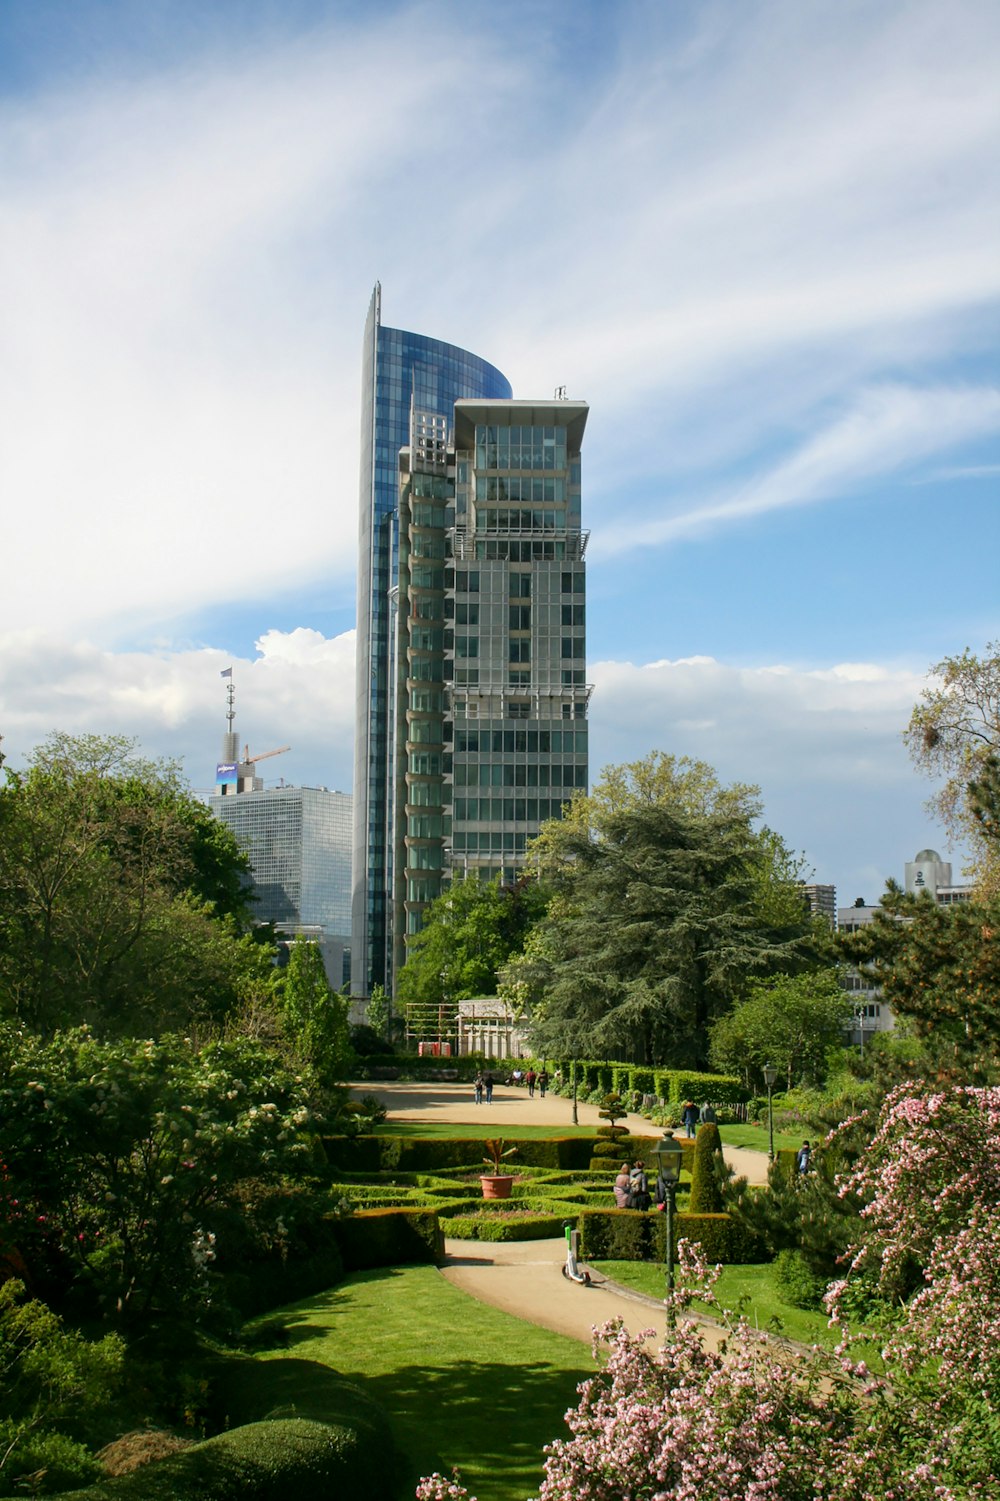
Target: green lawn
{"type": "Point", "coordinates": [754, 1283]}
{"type": "Point", "coordinates": [756, 1138]}
{"type": "Point", "coordinates": [464, 1384]}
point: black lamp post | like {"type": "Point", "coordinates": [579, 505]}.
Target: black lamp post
{"type": "Point", "coordinates": [770, 1074]}
{"type": "Point", "coordinates": [668, 1153]}
{"type": "Point", "coordinates": [572, 1067]}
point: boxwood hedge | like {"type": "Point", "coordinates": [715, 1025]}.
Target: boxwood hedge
{"type": "Point", "coordinates": [630, 1235]}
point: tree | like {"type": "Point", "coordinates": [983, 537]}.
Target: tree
{"type": "Point", "coordinates": [790, 1021]}
{"type": "Point", "coordinates": [314, 1016]}
{"type": "Point", "coordinates": [120, 897]}
{"type": "Point", "coordinates": [658, 924]}
{"type": "Point", "coordinates": [469, 932]}
{"type": "Point", "coordinates": [953, 732]}
{"type": "Point", "coordinates": [121, 1155]}
{"type": "Point", "coordinates": [939, 967]}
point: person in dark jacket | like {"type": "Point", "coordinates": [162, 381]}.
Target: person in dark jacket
{"type": "Point", "coordinates": [689, 1117]}
{"type": "Point", "coordinates": [638, 1187]}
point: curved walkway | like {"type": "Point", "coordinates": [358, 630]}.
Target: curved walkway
{"type": "Point", "coordinates": [524, 1278]}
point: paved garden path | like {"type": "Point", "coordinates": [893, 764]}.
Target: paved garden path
{"type": "Point", "coordinates": [525, 1278]}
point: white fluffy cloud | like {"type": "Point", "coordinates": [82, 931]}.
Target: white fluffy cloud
{"type": "Point", "coordinates": [824, 745]}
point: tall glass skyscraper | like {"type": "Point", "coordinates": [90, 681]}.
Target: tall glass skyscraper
{"type": "Point", "coordinates": [401, 371]}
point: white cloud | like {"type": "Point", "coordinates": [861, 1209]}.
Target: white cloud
{"type": "Point", "coordinates": [824, 745]}
{"type": "Point", "coordinates": [746, 215]}
{"type": "Point", "coordinates": [890, 428]}
{"type": "Point", "coordinates": [298, 689]}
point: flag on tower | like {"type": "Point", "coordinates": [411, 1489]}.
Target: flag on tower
{"type": "Point", "coordinates": [226, 672]}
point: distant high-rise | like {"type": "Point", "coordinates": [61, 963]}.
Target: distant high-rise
{"type": "Point", "coordinates": [490, 721]}
{"type": "Point", "coordinates": [400, 371]}
{"type": "Point", "coordinates": [299, 843]}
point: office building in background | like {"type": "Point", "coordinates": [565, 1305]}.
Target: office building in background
{"type": "Point", "coordinates": [400, 370]}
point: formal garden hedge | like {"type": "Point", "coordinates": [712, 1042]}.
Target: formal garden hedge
{"type": "Point", "coordinates": [631, 1235]}
{"type": "Point", "coordinates": [420, 1154]}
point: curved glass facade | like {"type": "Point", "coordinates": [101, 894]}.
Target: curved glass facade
{"type": "Point", "coordinates": [399, 369]}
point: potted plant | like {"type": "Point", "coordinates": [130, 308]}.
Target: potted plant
{"type": "Point", "coordinates": [497, 1184]}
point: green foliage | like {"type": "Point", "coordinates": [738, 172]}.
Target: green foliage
{"type": "Point", "coordinates": [706, 1193]}
{"type": "Point", "coordinates": [314, 1016]}
{"type": "Point", "coordinates": [120, 897]}
{"type": "Point", "coordinates": [954, 732]}
{"type": "Point", "coordinates": [269, 1461]}
{"type": "Point", "coordinates": [939, 967]}
{"type": "Point", "coordinates": [805, 1213]}
{"type": "Point", "coordinates": [378, 1013]}
{"type": "Point", "coordinates": [420, 1154]}
{"type": "Point", "coordinates": [121, 1153]}
{"type": "Point", "coordinates": [611, 1110]}
{"type": "Point", "coordinates": [389, 1237]}
{"type": "Point", "coordinates": [54, 1380]}
{"type": "Point", "coordinates": [469, 932]}
{"type": "Point", "coordinates": [796, 1280]}
{"type": "Point", "coordinates": [667, 903]}
{"type": "Point", "coordinates": [516, 1226]}
{"type": "Point", "coordinates": [790, 1021]}
{"type": "Point", "coordinates": [632, 1235]}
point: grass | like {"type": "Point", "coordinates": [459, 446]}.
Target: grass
{"type": "Point", "coordinates": [464, 1384]}
{"type": "Point", "coordinates": [755, 1284]}
{"type": "Point", "coordinates": [756, 1138]}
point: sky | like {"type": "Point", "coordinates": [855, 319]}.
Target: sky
{"type": "Point", "coordinates": [760, 238]}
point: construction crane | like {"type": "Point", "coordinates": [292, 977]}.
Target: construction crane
{"type": "Point", "coordinates": [252, 760]}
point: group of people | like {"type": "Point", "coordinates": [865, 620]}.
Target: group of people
{"type": "Point", "coordinates": [531, 1078]}
{"type": "Point", "coordinates": [484, 1082]}
{"type": "Point", "coordinates": [632, 1187]}
{"type": "Point", "coordinates": [692, 1117]}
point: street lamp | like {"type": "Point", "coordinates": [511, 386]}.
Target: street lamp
{"type": "Point", "coordinates": [572, 1069]}
{"type": "Point", "coordinates": [770, 1074]}
{"type": "Point", "coordinates": [668, 1153]}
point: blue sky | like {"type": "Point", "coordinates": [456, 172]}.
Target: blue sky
{"type": "Point", "coordinates": [759, 237]}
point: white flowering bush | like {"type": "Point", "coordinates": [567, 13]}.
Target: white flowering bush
{"type": "Point", "coordinates": [120, 1152]}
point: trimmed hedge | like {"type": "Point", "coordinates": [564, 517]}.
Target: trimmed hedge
{"type": "Point", "coordinates": [671, 1085]}
{"type": "Point", "coordinates": [494, 1228]}
{"type": "Point", "coordinates": [631, 1235]}
{"type": "Point", "coordinates": [388, 1237]}
{"type": "Point", "coordinates": [416, 1154]}
{"type": "Point", "coordinates": [267, 1461]}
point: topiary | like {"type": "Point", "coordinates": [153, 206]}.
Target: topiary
{"type": "Point", "coordinates": [611, 1110]}
{"type": "Point", "coordinates": [706, 1194]}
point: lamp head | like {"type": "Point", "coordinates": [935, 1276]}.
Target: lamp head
{"type": "Point", "coordinates": [770, 1075]}
{"type": "Point", "coordinates": [668, 1153]}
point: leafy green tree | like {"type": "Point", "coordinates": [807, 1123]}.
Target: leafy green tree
{"type": "Point", "coordinates": [54, 1381]}
{"type": "Point", "coordinates": [661, 918]}
{"type": "Point", "coordinates": [120, 902]}
{"type": "Point", "coordinates": [953, 733]}
{"type": "Point", "coordinates": [314, 1016]}
{"type": "Point", "coordinates": [122, 1154]}
{"type": "Point", "coordinates": [939, 967]}
{"type": "Point", "coordinates": [379, 1012]}
{"type": "Point", "coordinates": [790, 1021]}
{"type": "Point", "coordinates": [469, 932]}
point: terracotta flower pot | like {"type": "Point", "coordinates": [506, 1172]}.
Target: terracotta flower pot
{"type": "Point", "coordinates": [496, 1187]}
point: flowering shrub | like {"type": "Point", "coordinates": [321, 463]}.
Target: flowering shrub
{"type": "Point", "coordinates": [120, 1154]}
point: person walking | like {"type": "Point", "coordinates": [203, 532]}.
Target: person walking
{"type": "Point", "coordinates": [531, 1079]}
{"type": "Point", "coordinates": [621, 1187]}
{"type": "Point", "coordinates": [689, 1117]}
{"type": "Point", "coordinates": [708, 1116]}
{"type": "Point", "coordinates": [488, 1088]}
{"type": "Point", "coordinates": [479, 1087]}
{"type": "Point", "coordinates": [543, 1083]}
{"type": "Point", "coordinates": [803, 1158]}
